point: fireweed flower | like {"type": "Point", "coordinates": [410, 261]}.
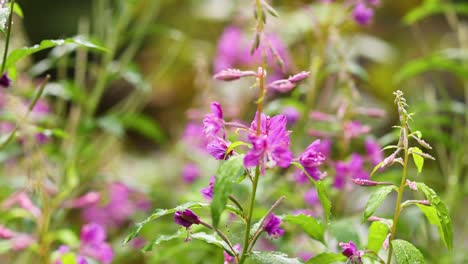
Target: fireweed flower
{"type": "Point", "coordinates": [272, 226]}
{"type": "Point", "coordinates": [311, 159]}
{"type": "Point", "coordinates": [271, 146]}
{"type": "Point", "coordinates": [123, 203]}
{"type": "Point", "coordinates": [373, 151]}
{"type": "Point", "coordinates": [362, 14]}
{"type": "Point", "coordinates": [233, 50]}
{"type": "Point", "coordinates": [311, 197]}
{"type": "Point", "coordinates": [217, 149]}
{"type": "Point", "coordinates": [207, 192]}
{"type": "Point", "coordinates": [351, 252]}
{"type": "Point", "coordinates": [190, 173]}
{"type": "Point", "coordinates": [286, 85]}
{"type": "Point", "coordinates": [213, 122]}
{"type": "Point", "coordinates": [228, 259]}
{"type": "Point", "coordinates": [186, 218]}
{"type": "Point", "coordinates": [292, 115]}
{"type": "Point", "coordinates": [345, 171]}
{"type": "Point", "coordinates": [193, 136]}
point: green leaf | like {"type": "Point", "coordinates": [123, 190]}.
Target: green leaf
{"type": "Point", "coordinates": [17, 10]}
{"type": "Point", "coordinates": [271, 257]}
{"type": "Point", "coordinates": [162, 212]}
{"type": "Point", "coordinates": [377, 167]}
{"type": "Point", "coordinates": [212, 239]}
{"type": "Point", "coordinates": [418, 160]}
{"type": "Point", "coordinates": [326, 258]}
{"type": "Point", "coordinates": [144, 125]}
{"type": "Point", "coordinates": [321, 191]}
{"type": "Point", "coordinates": [340, 230]}
{"type": "Point", "coordinates": [311, 226]}
{"type": "Point", "coordinates": [376, 198]}
{"type": "Point", "coordinates": [68, 258]}
{"type": "Point", "coordinates": [226, 176]}
{"type": "Point", "coordinates": [66, 237]}
{"type": "Point", "coordinates": [406, 253]}
{"type": "Point", "coordinates": [431, 8]}
{"type": "Point", "coordinates": [431, 215]}
{"type": "Point", "coordinates": [442, 213]}
{"type": "Point", "coordinates": [19, 54]}
{"type": "Point", "coordinates": [377, 233]}
{"type": "Point", "coordinates": [435, 62]}
{"type": "Point", "coordinates": [164, 238]}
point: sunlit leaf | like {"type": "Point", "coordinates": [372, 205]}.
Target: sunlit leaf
{"type": "Point", "coordinates": [311, 226]}
{"type": "Point", "coordinates": [376, 198]}
{"type": "Point", "coordinates": [406, 253]}
{"type": "Point", "coordinates": [271, 257]}
{"type": "Point", "coordinates": [227, 175]}
{"type": "Point", "coordinates": [377, 233]}
{"type": "Point", "coordinates": [327, 258]}
{"type": "Point", "coordinates": [418, 160]}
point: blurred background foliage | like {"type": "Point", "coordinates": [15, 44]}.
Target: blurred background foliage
{"type": "Point", "coordinates": [424, 58]}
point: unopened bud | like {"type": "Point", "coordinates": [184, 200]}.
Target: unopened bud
{"type": "Point", "coordinates": [371, 112]}
{"type": "Point", "coordinates": [422, 142]}
{"type": "Point", "coordinates": [320, 116]}
{"type": "Point", "coordinates": [232, 74]}
{"type": "Point", "coordinates": [412, 185]}
{"type": "Point", "coordinates": [369, 183]}
{"type": "Point", "coordinates": [299, 77]}
{"type": "Point", "coordinates": [424, 202]}
{"type": "Point", "coordinates": [282, 85]}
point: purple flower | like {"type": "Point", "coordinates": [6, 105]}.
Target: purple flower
{"type": "Point", "coordinates": [194, 136]}
{"type": "Point", "coordinates": [228, 259]}
{"type": "Point", "coordinates": [351, 252]}
{"type": "Point", "coordinates": [271, 146]}
{"type": "Point", "coordinates": [272, 226]}
{"type": "Point", "coordinates": [292, 115]}
{"type": "Point", "coordinates": [311, 159]}
{"type": "Point", "coordinates": [362, 14]}
{"type": "Point", "coordinates": [190, 172]}
{"type": "Point", "coordinates": [217, 148]}
{"type": "Point", "coordinates": [213, 122]}
{"type": "Point", "coordinates": [311, 197]}
{"type": "Point", "coordinates": [123, 203]}
{"type": "Point", "coordinates": [345, 171]}
{"type": "Point", "coordinates": [5, 81]}
{"type": "Point", "coordinates": [207, 192]}
{"type": "Point", "coordinates": [373, 151]}
{"type": "Point", "coordinates": [186, 218]}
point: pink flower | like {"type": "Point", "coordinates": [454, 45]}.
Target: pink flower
{"type": "Point", "coordinates": [272, 226]}
{"type": "Point", "coordinates": [190, 173]}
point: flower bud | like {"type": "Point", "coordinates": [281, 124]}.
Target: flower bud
{"type": "Point", "coordinates": [299, 77]}
{"type": "Point", "coordinates": [5, 81]}
{"type": "Point", "coordinates": [282, 85]}
{"type": "Point", "coordinates": [186, 218]}
{"type": "Point", "coordinates": [232, 74]}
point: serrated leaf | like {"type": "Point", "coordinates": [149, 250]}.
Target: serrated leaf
{"type": "Point", "coordinates": [226, 176]}
{"type": "Point", "coordinates": [272, 257]}
{"type": "Point", "coordinates": [311, 226]}
{"type": "Point", "coordinates": [321, 191]}
{"type": "Point", "coordinates": [442, 213]}
{"type": "Point", "coordinates": [20, 53]}
{"type": "Point", "coordinates": [406, 253]}
{"type": "Point", "coordinates": [136, 229]}
{"type": "Point", "coordinates": [326, 258]}
{"type": "Point", "coordinates": [418, 160]}
{"type": "Point", "coordinates": [377, 233]}
{"type": "Point", "coordinates": [376, 198]}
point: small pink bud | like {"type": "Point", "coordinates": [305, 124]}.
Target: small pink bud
{"type": "Point", "coordinates": [261, 72]}
{"type": "Point", "coordinates": [282, 85]}
{"type": "Point", "coordinates": [386, 242]}
{"type": "Point", "coordinates": [412, 185]}
{"type": "Point", "coordinates": [21, 242]}
{"type": "Point", "coordinates": [374, 218]}
{"type": "Point", "coordinates": [232, 74]}
{"type": "Point", "coordinates": [424, 202]}
{"type": "Point", "coordinates": [6, 233]}
{"type": "Point", "coordinates": [88, 199]}
{"type": "Point", "coordinates": [321, 116]}
{"type": "Point", "coordinates": [370, 112]}
{"type": "Point", "coordinates": [363, 182]}
{"type": "Point", "coordinates": [299, 77]}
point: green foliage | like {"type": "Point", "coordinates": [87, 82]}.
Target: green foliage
{"type": "Point", "coordinates": [227, 175]}
{"type": "Point", "coordinates": [377, 233]}
{"type": "Point", "coordinates": [271, 257]}
{"type": "Point", "coordinates": [327, 258]}
{"type": "Point", "coordinates": [341, 231]}
{"type": "Point", "coordinates": [442, 213]}
{"type": "Point", "coordinates": [164, 238]}
{"type": "Point", "coordinates": [434, 7]}
{"type": "Point", "coordinates": [376, 198]}
{"type": "Point", "coordinates": [21, 53]}
{"type": "Point", "coordinates": [144, 125]}
{"type": "Point", "coordinates": [418, 160]}
{"type": "Point", "coordinates": [135, 231]}
{"type": "Point", "coordinates": [311, 226]}
{"type": "Point", "coordinates": [406, 253]}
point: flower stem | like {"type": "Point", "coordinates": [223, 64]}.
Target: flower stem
{"type": "Point", "coordinates": [396, 214]}
{"type": "Point", "coordinates": [7, 40]}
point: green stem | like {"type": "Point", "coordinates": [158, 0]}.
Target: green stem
{"type": "Point", "coordinates": [7, 40]}
{"type": "Point", "coordinates": [398, 204]}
